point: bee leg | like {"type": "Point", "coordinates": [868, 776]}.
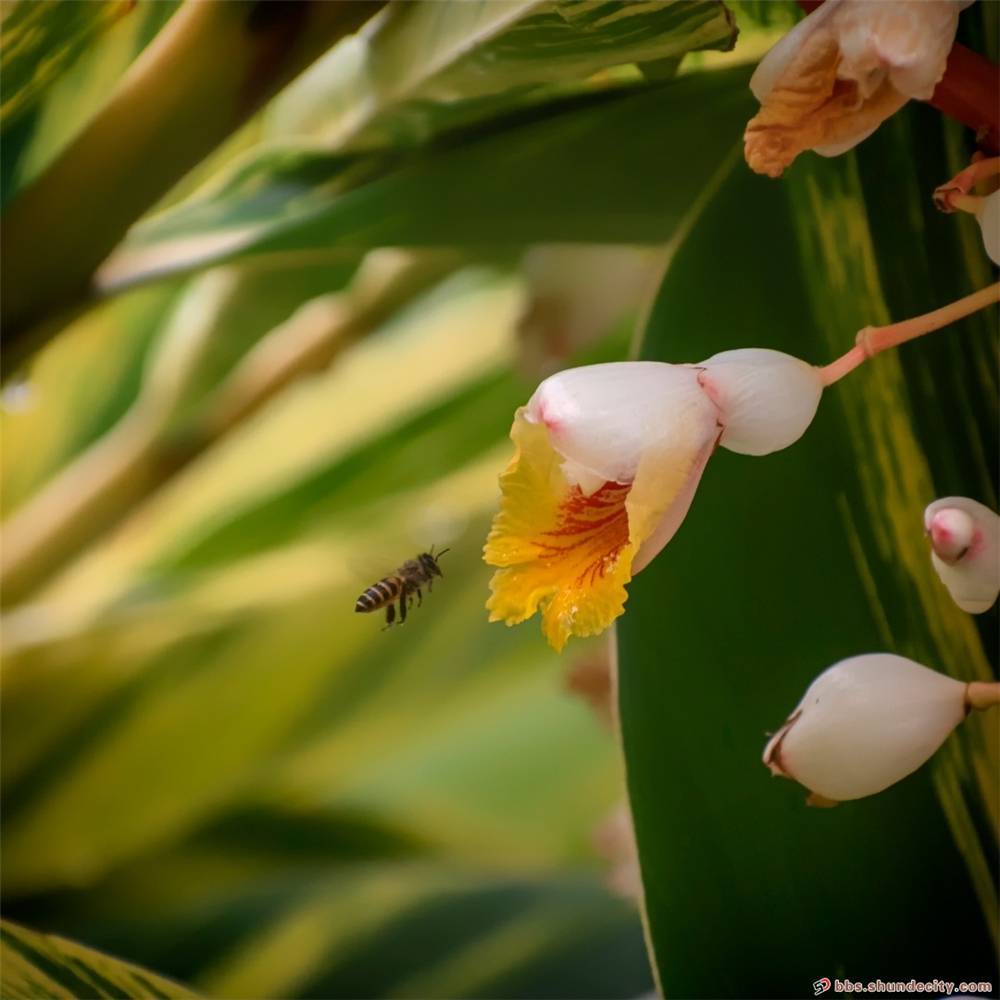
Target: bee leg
{"type": "Point", "coordinates": [402, 607]}
{"type": "Point", "coordinates": [390, 615]}
{"type": "Point", "coordinates": [420, 597]}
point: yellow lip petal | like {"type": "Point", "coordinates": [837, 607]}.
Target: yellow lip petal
{"type": "Point", "coordinates": [559, 550]}
{"type": "Point", "coordinates": [569, 554]}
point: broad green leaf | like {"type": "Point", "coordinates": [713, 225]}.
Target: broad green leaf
{"type": "Point", "coordinates": [768, 13]}
{"type": "Point", "coordinates": [35, 966]}
{"type": "Point", "coordinates": [785, 565]}
{"type": "Point", "coordinates": [622, 167]}
{"type": "Point", "coordinates": [425, 68]}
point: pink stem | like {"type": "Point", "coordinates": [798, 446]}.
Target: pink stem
{"type": "Point", "coordinates": [873, 340]}
{"type": "Point", "coordinates": [982, 694]}
{"type": "Point", "coordinates": [954, 194]}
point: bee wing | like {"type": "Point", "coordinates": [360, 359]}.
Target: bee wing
{"type": "Point", "coordinates": [371, 566]}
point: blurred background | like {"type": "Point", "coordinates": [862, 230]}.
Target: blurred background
{"type": "Point", "coordinates": [298, 370]}
{"type": "Point", "coordinates": [211, 765]}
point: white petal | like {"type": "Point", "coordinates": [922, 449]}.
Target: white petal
{"type": "Point", "coordinates": [784, 50]}
{"type": "Point", "coordinates": [864, 724]}
{"type": "Point", "coordinates": [965, 551]}
{"type": "Point", "coordinates": [989, 223]}
{"type": "Point", "coordinates": [838, 148]}
{"type": "Point", "coordinates": [766, 399]}
{"type": "Point", "coordinates": [908, 40]}
{"type": "Point", "coordinates": [950, 529]}
{"type": "Point", "coordinates": [674, 515]}
{"type": "Point", "coordinates": [603, 418]}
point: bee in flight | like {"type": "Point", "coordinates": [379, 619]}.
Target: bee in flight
{"type": "Point", "coordinates": [402, 585]}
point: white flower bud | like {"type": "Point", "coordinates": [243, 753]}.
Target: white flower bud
{"type": "Point", "coordinates": [965, 551]}
{"type": "Point", "coordinates": [839, 73]}
{"type": "Point", "coordinates": [766, 399]}
{"type": "Point", "coordinates": [864, 724]}
{"type": "Point", "coordinates": [989, 222]}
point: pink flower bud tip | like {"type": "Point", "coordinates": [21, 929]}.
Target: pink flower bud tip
{"type": "Point", "coordinates": [965, 551]}
{"type": "Point", "coordinates": [952, 533]}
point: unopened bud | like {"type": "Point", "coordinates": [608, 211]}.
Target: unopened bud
{"type": "Point", "coordinates": [965, 551]}
{"type": "Point", "coordinates": [989, 222]}
{"type": "Point", "coordinates": [864, 724]}
{"type": "Point", "coordinates": [766, 399]}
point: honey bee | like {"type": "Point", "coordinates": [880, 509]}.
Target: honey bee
{"type": "Point", "coordinates": [403, 584]}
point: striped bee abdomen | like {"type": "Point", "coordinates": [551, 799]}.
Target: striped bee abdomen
{"type": "Point", "coordinates": [379, 594]}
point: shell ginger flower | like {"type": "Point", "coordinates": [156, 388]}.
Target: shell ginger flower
{"type": "Point", "coordinates": [607, 461]}
{"type": "Point", "coordinates": [841, 71]}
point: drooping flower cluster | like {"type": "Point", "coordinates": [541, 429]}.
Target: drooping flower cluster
{"type": "Point", "coordinates": [608, 458]}
{"type": "Point", "coordinates": [840, 72]}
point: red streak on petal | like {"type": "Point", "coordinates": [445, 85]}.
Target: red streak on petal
{"type": "Point", "coordinates": [592, 529]}
{"type": "Point", "coordinates": [552, 423]}
{"type": "Point", "coordinates": [939, 534]}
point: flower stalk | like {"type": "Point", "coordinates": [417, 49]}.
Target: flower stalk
{"type": "Point", "coordinates": [954, 195]}
{"type": "Point", "coordinates": [873, 340]}
{"type": "Point", "coordinates": [867, 722]}
{"type": "Point", "coordinates": [982, 695]}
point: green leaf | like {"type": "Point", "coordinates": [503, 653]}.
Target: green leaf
{"type": "Point", "coordinates": [59, 60]}
{"type": "Point", "coordinates": [423, 68]}
{"type": "Point", "coordinates": [785, 565]}
{"type": "Point", "coordinates": [416, 452]}
{"type": "Point", "coordinates": [74, 395]}
{"type": "Point", "coordinates": [36, 966]}
{"type": "Point", "coordinates": [41, 40]}
{"type": "Point", "coordinates": [622, 167]}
